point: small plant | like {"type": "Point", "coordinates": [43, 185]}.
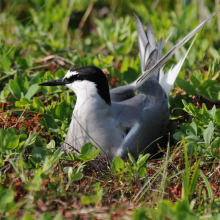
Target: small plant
{"type": "Point", "coordinates": [202, 134]}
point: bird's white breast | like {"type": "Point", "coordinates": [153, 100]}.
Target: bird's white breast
{"type": "Point", "coordinates": [93, 119]}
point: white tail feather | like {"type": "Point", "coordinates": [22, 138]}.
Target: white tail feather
{"type": "Point", "coordinates": [167, 80]}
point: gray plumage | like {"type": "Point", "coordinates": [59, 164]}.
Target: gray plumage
{"type": "Point", "coordinates": [135, 115]}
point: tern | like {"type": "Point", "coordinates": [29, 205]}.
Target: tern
{"type": "Point", "coordinates": [128, 118]}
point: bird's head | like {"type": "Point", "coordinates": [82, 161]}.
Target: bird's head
{"type": "Point", "coordinates": [89, 78]}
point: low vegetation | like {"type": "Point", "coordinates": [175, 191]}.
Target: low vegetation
{"type": "Point", "coordinates": [40, 41]}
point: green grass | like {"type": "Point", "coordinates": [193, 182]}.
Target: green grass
{"type": "Point", "coordinates": [40, 42]}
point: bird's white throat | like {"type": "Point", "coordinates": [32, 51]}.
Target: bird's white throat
{"type": "Point", "coordinates": [86, 91]}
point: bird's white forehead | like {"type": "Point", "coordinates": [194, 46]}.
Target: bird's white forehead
{"type": "Point", "coordinates": [70, 73]}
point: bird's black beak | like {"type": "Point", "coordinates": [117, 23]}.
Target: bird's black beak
{"type": "Point", "coordinates": [57, 82]}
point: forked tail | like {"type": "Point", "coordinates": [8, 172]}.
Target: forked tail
{"type": "Point", "coordinates": [151, 60]}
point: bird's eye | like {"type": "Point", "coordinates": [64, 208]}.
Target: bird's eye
{"type": "Point", "coordinates": [78, 77]}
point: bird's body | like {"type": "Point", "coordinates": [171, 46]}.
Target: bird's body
{"type": "Point", "coordinates": [121, 126]}
{"type": "Point", "coordinates": [128, 118]}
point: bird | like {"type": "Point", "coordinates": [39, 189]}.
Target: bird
{"type": "Point", "coordinates": [128, 118]}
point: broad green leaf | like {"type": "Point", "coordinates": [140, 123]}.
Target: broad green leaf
{"type": "Point", "coordinates": [195, 82]}
{"type": "Point", "coordinates": [38, 105]}
{"type": "Point", "coordinates": [96, 153]}
{"type": "Point", "coordinates": [210, 89]}
{"type": "Point", "coordinates": [32, 91]}
{"type": "Point", "coordinates": [215, 149]}
{"type": "Point", "coordinates": [213, 111]}
{"type": "Point", "coordinates": [22, 63]}
{"type": "Point", "coordinates": [140, 214]}
{"type": "Point", "coordinates": [8, 141]}
{"type": "Point", "coordinates": [49, 123]}
{"type": "Point", "coordinates": [205, 111]}
{"type": "Point", "coordinates": [77, 176]}
{"type": "Point", "coordinates": [36, 182]}
{"type": "Point", "coordinates": [47, 164]}
{"type": "Point", "coordinates": [193, 128]}
{"type": "Point", "coordinates": [130, 75]}
{"type": "Point", "coordinates": [23, 103]}
{"type": "Point", "coordinates": [143, 172]}
{"type": "Point", "coordinates": [178, 136]}
{"type": "Point", "coordinates": [142, 159]}
{"type": "Point", "coordinates": [29, 60]}
{"type": "Point", "coordinates": [186, 86]}
{"type": "Point", "coordinates": [193, 138]}
{"type": "Point", "coordinates": [39, 154]}
{"type": "Point", "coordinates": [5, 64]}
{"type": "Point", "coordinates": [88, 149]}
{"type": "Point", "coordinates": [217, 117]}
{"type": "Point", "coordinates": [63, 111]}
{"type": "Point", "coordinates": [197, 78]}
{"type": "Point", "coordinates": [133, 160]}
{"type": "Point", "coordinates": [15, 89]}
{"type": "Point", "coordinates": [117, 165]}
{"type": "Point", "coordinates": [56, 155]}
{"type": "Point", "coordinates": [28, 217]}
{"type": "Point", "coordinates": [86, 200]}
{"type": "Point", "coordinates": [6, 196]}
{"type": "Point", "coordinates": [192, 148]}
{"type": "Point", "coordinates": [23, 85]}
{"type": "Point", "coordinates": [207, 134]}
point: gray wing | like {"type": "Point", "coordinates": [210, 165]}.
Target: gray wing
{"type": "Point", "coordinates": [122, 93]}
{"type": "Point", "coordinates": [143, 125]}
{"type": "Point", "coordinates": [143, 118]}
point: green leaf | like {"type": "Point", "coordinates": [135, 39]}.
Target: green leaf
{"type": "Point", "coordinates": [22, 63]}
{"type": "Point", "coordinates": [23, 103]}
{"type": "Point", "coordinates": [77, 176]}
{"type": "Point", "coordinates": [63, 111]}
{"type": "Point", "coordinates": [178, 136]}
{"type": "Point", "coordinates": [38, 105]}
{"type": "Point", "coordinates": [140, 215]}
{"type": "Point", "coordinates": [28, 217]}
{"type": "Point", "coordinates": [193, 128]}
{"type": "Point", "coordinates": [88, 149]}
{"type": "Point", "coordinates": [15, 89]}
{"type": "Point", "coordinates": [29, 60]}
{"type": "Point", "coordinates": [208, 186]}
{"type": "Point", "coordinates": [193, 138]}
{"type": "Point", "coordinates": [215, 147]}
{"type": "Point", "coordinates": [32, 91]}
{"type": "Point", "coordinates": [207, 134]}
{"type": "Point", "coordinates": [217, 117]}
{"type": "Point", "coordinates": [197, 78]}
{"type": "Point", "coordinates": [130, 75]}
{"type": "Point", "coordinates": [131, 158]}
{"type": "Point", "coordinates": [86, 200]}
{"type": "Point", "coordinates": [5, 64]}
{"type": "Point", "coordinates": [142, 159]}
{"type": "Point", "coordinates": [6, 196]}
{"type": "Point", "coordinates": [39, 154]}
{"type": "Point", "coordinates": [186, 86]}
{"type": "Point", "coordinates": [87, 152]}
{"type": "Point", "coordinates": [49, 123]}
{"type": "Point", "coordinates": [143, 172]}
{"type": "Point", "coordinates": [117, 165]}
{"type": "Point", "coordinates": [194, 180]}
{"type": "Point", "coordinates": [8, 141]}
{"type": "Point", "coordinates": [210, 89]}
{"type": "Point", "coordinates": [192, 148]}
